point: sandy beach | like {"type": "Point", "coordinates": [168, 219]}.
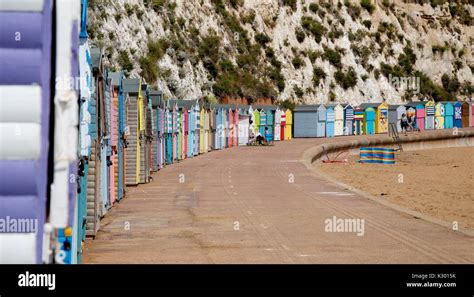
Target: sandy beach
{"type": "Point", "coordinates": [437, 182]}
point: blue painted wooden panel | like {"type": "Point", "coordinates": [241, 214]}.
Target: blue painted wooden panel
{"type": "Point", "coordinates": [305, 124]}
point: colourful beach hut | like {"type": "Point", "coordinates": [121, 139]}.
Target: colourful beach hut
{"type": "Point", "coordinates": [168, 137]}
{"type": "Point", "coordinates": [236, 126]}
{"type": "Point", "coordinates": [288, 124]}
{"type": "Point", "coordinates": [221, 114]}
{"type": "Point", "coordinates": [330, 117]}
{"type": "Point", "coordinates": [185, 131]}
{"type": "Point", "coordinates": [439, 115]}
{"type": "Point", "coordinates": [430, 115]}
{"type": "Point", "coordinates": [282, 125]}
{"type": "Point", "coordinates": [348, 120]}
{"type": "Point", "coordinates": [197, 127]}
{"type": "Point", "coordinates": [145, 135]}
{"type": "Point", "coordinates": [420, 116]}
{"type": "Point", "coordinates": [358, 121]}
{"type": "Point", "coordinates": [466, 114]}
{"type": "Point", "coordinates": [457, 119]}
{"type": "Point", "coordinates": [244, 125]}
{"type": "Point", "coordinates": [380, 117]}
{"type": "Point", "coordinates": [132, 166]}
{"type": "Point", "coordinates": [395, 113]}
{"type": "Point", "coordinates": [381, 120]}
{"type": "Point", "coordinates": [263, 121]}
{"type": "Point", "coordinates": [369, 117]}
{"type": "Point", "coordinates": [277, 128]}
{"type": "Point", "coordinates": [156, 98]}
{"type": "Point", "coordinates": [338, 120]}
{"type": "Point", "coordinates": [122, 125]}
{"type": "Point", "coordinates": [191, 128]}
{"type": "Point", "coordinates": [256, 120]}
{"type": "Point", "coordinates": [448, 115]}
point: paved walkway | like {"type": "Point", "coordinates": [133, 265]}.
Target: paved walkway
{"type": "Point", "coordinates": [261, 205]}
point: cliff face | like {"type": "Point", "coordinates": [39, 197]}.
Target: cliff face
{"type": "Point", "coordinates": [298, 50]}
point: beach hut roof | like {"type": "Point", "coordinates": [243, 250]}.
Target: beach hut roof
{"type": "Point", "coordinates": [96, 57]}
{"type": "Point", "coordinates": [373, 105]}
{"type": "Point", "coordinates": [131, 85]}
{"type": "Point", "coordinates": [309, 107]}
{"type": "Point", "coordinates": [156, 98]}
{"type": "Point", "coordinates": [116, 78]}
{"type": "Point", "coordinates": [415, 103]}
{"type": "Point", "coordinates": [395, 106]}
{"type": "Point", "coordinates": [265, 107]}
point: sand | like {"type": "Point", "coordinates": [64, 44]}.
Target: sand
{"type": "Point", "coordinates": [436, 182]}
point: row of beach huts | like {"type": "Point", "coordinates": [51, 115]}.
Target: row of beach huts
{"type": "Point", "coordinates": [76, 135]}
{"type": "Point", "coordinates": [328, 120]}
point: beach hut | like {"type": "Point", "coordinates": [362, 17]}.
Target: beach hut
{"type": "Point", "coordinates": [210, 134]}
{"type": "Point", "coordinates": [256, 119]}
{"type": "Point", "coordinates": [185, 131]}
{"type": "Point", "coordinates": [457, 114]}
{"type": "Point", "coordinates": [289, 124]}
{"type": "Point", "coordinates": [306, 121]}
{"type": "Point", "coordinates": [330, 116]}
{"type": "Point", "coordinates": [221, 115]}
{"type": "Point", "coordinates": [85, 72]}
{"type": "Point", "coordinates": [439, 115]}
{"type": "Point", "coordinates": [338, 120]}
{"type": "Point", "coordinates": [168, 137]}
{"type": "Point", "coordinates": [244, 125]}
{"type": "Point", "coordinates": [282, 125]}
{"type": "Point", "coordinates": [270, 114]}
{"type": "Point", "coordinates": [179, 130]}
{"type": "Point", "coordinates": [143, 135]}
{"type": "Point", "coordinates": [197, 127]}
{"type": "Point", "coordinates": [132, 157]}
{"type": "Point", "coordinates": [359, 121]}
{"type": "Point", "coordinates": [202, 119]}
{"type": "Point", "coordinates": [156, 103]}
{"type": "Point", "coordinates": [113, 155]}
{"type": "Point", "coordinates": [277, 128]}
{"type": "Point", "coordinates": [207, 127]}
{"type": "Point", "coordinates": [430, 115]}
{"type": "Point", "coordinates": [381, 119]}
{"type": "Point", "coordinates": [235, 141]}
{"type": "Point", "coordinates": [120, 105]}
{"type": "Point", "coordinates": [448, 115]}
{"type": "Point", "coordinates": [348, 120]}
{"type": "Point", "coordinates": [419, 113]}
{"type": "Point", "coordinates": [161, 134]}
{"type": "Point", "coordinates": [321, 120]}
{"type": "Point", "coordinates": [263, 121]}
{"type": "Point", "coordinates": [395, 113]}
{"type": "Point", "coordinates": [466, 114]}
{"type": "Point", "coordinates": [369, 117]}
{"type": "Point", "coordinates": [105, 187]}
{"type": "Point", "coordinates": [213, 127]}
{"type": "Point", "coordinates": [191, 128]}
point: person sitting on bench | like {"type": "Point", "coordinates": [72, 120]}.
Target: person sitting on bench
{"type": "Point", "coordinates": [260, 138]}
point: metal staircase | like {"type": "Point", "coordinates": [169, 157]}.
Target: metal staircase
{"type": "Point", "coordinates": [393, 132]}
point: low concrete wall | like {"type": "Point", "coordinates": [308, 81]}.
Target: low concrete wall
{"type": "Point", "coordinates": [413, 141]}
